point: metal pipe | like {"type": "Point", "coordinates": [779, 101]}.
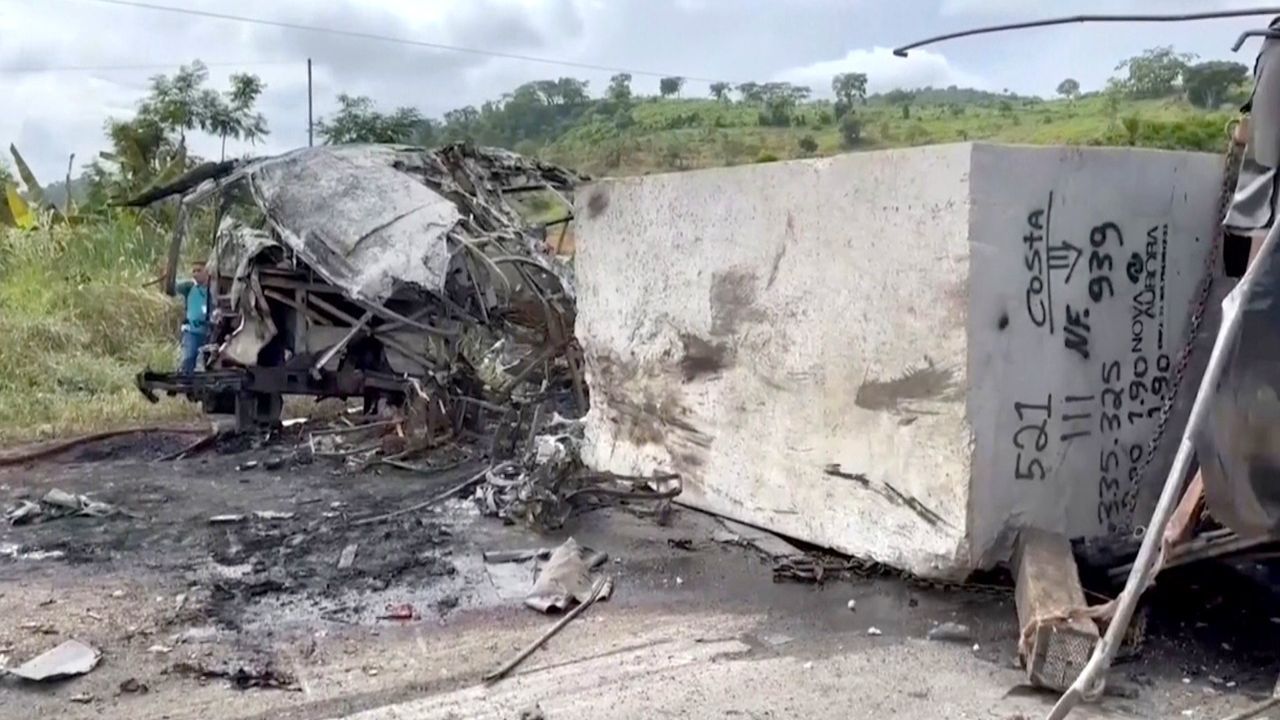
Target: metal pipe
{"type": "Point", "coordinates": [311, 123]}
{"type": "Point", "coordinates": [1180, 17]}
{"type": "Point", "coordinates": [1272, 34]}
{"type": "Point", "coordinates": [337, 347]}
{"type": "Point", "coordinates": [175, 249]}
{"type": "Point", "coordinates": [1090, 681]}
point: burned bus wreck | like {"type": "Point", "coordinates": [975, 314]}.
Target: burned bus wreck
{"type": "Point", "coordinates": [380, 271]}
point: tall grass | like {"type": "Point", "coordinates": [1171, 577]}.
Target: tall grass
{"type": "Point", "coordinates": [76, 326]}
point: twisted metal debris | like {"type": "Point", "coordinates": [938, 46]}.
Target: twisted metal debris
{"type": "Point", "coordinates": [409, 277]}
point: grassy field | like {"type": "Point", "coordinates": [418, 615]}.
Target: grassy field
{"type": "Point", "coordinates": [76, 326]}
{"type": "Point", "coordinates": [667, 135]}
{"type": "Point", "coordinates": [77, 323]}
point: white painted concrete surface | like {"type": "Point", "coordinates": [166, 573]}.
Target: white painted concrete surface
{"type": "Point", "coordinates": [1065, 400]}
{"type": "Point", "coordinates": [833, 349]}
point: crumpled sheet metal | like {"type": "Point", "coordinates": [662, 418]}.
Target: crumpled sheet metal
{"type": "Point", "coordinates": [1238, 445]}
{"type": "Point", "coordinates": [58, 503]}
{"type": "Point", "coordinates": [360, 222]}
{"type": "Point", "coordinates": [69, 659]}
{"type": "Point", "coordinates": [565, 579]}
{"type": "Point", "coordinates": [235, 254]}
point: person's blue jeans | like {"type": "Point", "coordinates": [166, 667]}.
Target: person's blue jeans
{"type": "Point", "coordinates": [191, 342]}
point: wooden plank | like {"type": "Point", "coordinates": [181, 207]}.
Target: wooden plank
{"type": "Point", "coordinates": [1055, 641]}
{"type": "Point", "coordinates": [1186, 515]}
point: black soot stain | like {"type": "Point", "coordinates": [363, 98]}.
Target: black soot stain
{"type": "Point", "coordinates": [702, 357]}
{"type": "Point", "coordinates": [929, 382]}
{"type": "Point", "coordinates": [733, 301]}
{"type": "Point", "coordinates": [889, 493]}
{"type": "Point", "coordinates": [597, 203]}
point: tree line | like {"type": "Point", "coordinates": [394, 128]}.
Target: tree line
{"type": "Point", "coordinates": [1162, 72]}
{"type": "Point", "coordinates": [151, 146]}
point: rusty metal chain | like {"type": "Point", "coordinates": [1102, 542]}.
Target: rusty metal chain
{"type": "Point", "coordinates": [1230, 174]}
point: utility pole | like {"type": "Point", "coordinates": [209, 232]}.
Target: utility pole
{"type": "Point", "coordinates": [311, 125]}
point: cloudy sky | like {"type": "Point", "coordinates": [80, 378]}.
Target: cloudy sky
{"type": "Point", "coordinates": [67, 65]}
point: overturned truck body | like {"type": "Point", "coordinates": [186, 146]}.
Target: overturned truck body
{"type": "Point", "coordinates": [376, 271]}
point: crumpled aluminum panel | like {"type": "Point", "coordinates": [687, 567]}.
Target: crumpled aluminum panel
{"type": "Point", "coordinates": [356, 219]}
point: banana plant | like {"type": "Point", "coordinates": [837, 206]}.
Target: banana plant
{"type": "Point", "coordinates": [14, 211]}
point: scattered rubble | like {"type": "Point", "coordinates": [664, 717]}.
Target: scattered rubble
{"type": "Point", "coordinates": [348, 556]}
{"type": "Point", "coordinates": [566, 578]}
{"type": "Point", "coordinates": [242, 674]}
{"type": "Point", "coordinates": [69, 659]}
{"type": "Point", "coordinates": [600, 589]}
{"type": "Point", "coordinates": [402, 611]}
{"type": "Point", "coordinates": [736, 533]}
{"type": "Point", "coordinates": [951, 632]}
{"type": "Point", "coordinates": [225, 519]}
{"type": "Point", "coordinates": [498, 557]}
{"type": "Point", "coordinates": [58, 504]}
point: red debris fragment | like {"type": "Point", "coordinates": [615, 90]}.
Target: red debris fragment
{"type": "Point", "coordinates": [403, 611]}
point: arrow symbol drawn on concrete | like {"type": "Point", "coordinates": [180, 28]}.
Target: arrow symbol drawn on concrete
{"type": "Point", "coordinates": [1064, 256]}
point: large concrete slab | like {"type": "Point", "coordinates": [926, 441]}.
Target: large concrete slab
{"type": "Point", "coordinates": [898, 355]}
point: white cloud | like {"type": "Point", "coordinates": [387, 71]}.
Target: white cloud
{"type": "Point", "coordinates": [884, 71]}
{"type": "Point", "coordinates": [988, 7]}
{"type": "Point", "coordinates": [1027, 10]}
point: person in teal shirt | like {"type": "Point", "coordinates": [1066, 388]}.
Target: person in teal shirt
{"type": "Point", "coordinates": [195, 324]}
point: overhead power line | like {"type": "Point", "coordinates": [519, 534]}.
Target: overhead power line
{"type": "Point", "coordinates": [391, 39]}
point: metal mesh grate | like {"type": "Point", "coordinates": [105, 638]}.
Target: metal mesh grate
{"type": "Point", "coordinates": [1058, 656]}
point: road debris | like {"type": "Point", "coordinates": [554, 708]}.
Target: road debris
{"type": "Point", "coordinates": [69, 659]}
{"type": "Point", "coordinates": [401, 611]}
{"type": "Point", "coordinates": [1057, 632]}
{"type": "Point", "coordinates": [348, 556]}
{"type": "Point", "coordinates": [57, 504]}
{"type": "Point", "coordinates": [600, 589]}
{"type": "Point", "coordinates": [736, 533]}
{"type": "Point", "coordinates": [852, 605]}
{"type": "Point", "coordinates": [82, 698]}
{"type": "Point", "coordinates": [497, 557]}
{"type": "Point", "coordinates": [532, 713]}
{"type": "Point", "coordinates": [225, 519]}
{"type": "Point", "coordinates": [272, 515]}
{"type": "Point", "coordinates": [546, 482]}
{"type": "Point", "coordinates": [159, 649]}
{"type": "Point", "coordinates": [242, 674]}
{"type": "Point", "coordinates": [874, 631]}
{"type": "Point", "coordinates": [133, 686]}
{"type": "Point", "coordinates": [951, 632]}
{"type": "Point", "coordinates": [566, 578]}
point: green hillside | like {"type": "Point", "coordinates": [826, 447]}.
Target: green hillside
{"type": "Point", "coordinates": [672, 134]}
